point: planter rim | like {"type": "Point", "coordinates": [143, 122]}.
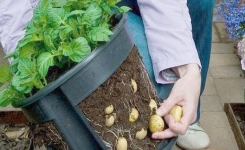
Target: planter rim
{"type": "Point", "coordinates": [63, 78]}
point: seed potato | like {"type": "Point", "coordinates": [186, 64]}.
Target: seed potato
{"type": "Point", "coordinates": [176, 112]}
{"type": "Point", "coordinates": [134, 115]}
{"type": "Point", "coordinates": [109, 109]}
{"type": "Point", "coordinates": [141, 134]}
{"type": "Point", "coordinates": [109, 120]}
{"type": "Point", "coordinates": [156, 123]}
{"type": "Point", "coordinates": [121, 144]}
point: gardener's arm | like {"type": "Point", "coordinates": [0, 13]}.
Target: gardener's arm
{"type": "Point", "coordinates": [172, 49]}
{"type": "Point", "coordinates": [14, 16]}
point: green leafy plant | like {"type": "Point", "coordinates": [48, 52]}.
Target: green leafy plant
{"type": "Point", "coordinates": [60, 34]}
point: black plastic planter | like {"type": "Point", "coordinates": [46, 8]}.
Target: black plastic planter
{"type": "Point", "coordinates": [58, 101]}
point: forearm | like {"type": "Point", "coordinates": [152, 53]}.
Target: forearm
{"type": "Point", "coordinates": [183, 70]}
{"type": "Point", "coordinates": [169, 35]}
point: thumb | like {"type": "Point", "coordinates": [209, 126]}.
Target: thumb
{"type": "Point", "coordinates": [165, 107]}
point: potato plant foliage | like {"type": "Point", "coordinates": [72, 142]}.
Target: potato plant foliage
{"type": "Point", "coordinates": [61, 33]}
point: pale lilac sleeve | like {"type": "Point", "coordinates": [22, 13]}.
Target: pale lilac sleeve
{"type": "Point", "coordinates": [14, 16]}
{"type": "Point", "coordinates": [169, 36]}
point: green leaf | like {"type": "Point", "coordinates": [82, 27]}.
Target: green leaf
{"type": "Point", "coordinates": [124, 9]}
{"type": "Point", "coordinates": [76, 12]}
{"type": "Point", "coordinates": [5, 74]}
{"type": "Point", "coordinates": [64, 32]}
{"type": "Point", "coordinates": [28, 39]}
{"type": "Point", "coordinates": [48, 42]}
{"type": "Point", "coordinates": [59, 3]}
{"type": "Point", "coordinates": [100, 34]}
{"type": "Point", "coordinates": [67, 51]}
{"type": "Point", "coordinates": [16, 83]}
{"type": "Point", "coordinates": [27, 51]}
{"type": "Point", "coordinates": [44, 61]}
{"type": "Point", "coordinates": [93, 12]}
{"type": "Point", "coordinates": [56, 17]}
{"type": "Point", "coordinates": [80, 49]}
{"type": "Point", "coordinates": [113, 2]}
{"type": "Point", "coordinates": [26, 67]}
{"type": "Point", "coordinates": [10, 55]}
{"type": "Point", "coordinates": [6, 97]}
{"type": "Point", "coordinates": [41, 12]}
{"type": "Point", "coordinates": [14, 65]}
{"type": "Point", "coordinates": [106, 8]}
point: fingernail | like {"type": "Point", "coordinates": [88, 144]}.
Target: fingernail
{"type": "Point", "coordinates": [159, 111]}
{"type": "Point", "coordinates": [154, 136]}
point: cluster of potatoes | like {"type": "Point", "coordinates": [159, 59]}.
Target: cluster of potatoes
{"type": "Point", "coordinates": [156, 122]}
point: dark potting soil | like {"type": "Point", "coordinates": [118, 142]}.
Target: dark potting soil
{"type": "Point", "coordinates": [14, 131]}
{"type": "Point", "coordinates": [15, 137]}
{"type": "Point", "coordinates": [239, 112]}
{"type": "Point", "coordinates": [47, 134]}
{"type": "Point", "coordinates": [118, 91]}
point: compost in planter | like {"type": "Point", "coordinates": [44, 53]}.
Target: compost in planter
{"type": "Point", "coordinates": [118, 91]}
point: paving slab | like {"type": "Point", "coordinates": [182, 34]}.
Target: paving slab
{"type": "Point", "coordinates": [215, 10]}
{"type": "Point", "coordinates": [222, 48]}
{"type": "Point", "coordinates": [227, 72]}
{"type": "Point", "coordinates": [215, 35]}
{"type": "Point", "coordinates": [211, 103]}
{"type": "Point", "coordinates": [218, 128]}
{"type": "Point", "coordinates": [224, 60]}
{"type": "Point", "coordinates": [230, 90]}
{"type": "Point", "coordinates": [210, 88]}
{"type": "Point", "coordinates": [243, 86]}
{"type": "Point", "coordinates": [220, 26]}
{"type": "Point", "coordinates": [217, 18]}
{"type": "Point", "coordinates": [9, 108]}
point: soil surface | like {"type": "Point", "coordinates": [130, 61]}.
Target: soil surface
{"type": "Point", "coordinates": [118, 91]}
{"type": "Point", "coordinates": [15, 137]}
{"type": "Point", "coordinates": [47, 134]}
{"type": "Point", "coordinates": [14, 131]}
{"type": "Point", "coordinates": [239, 112]}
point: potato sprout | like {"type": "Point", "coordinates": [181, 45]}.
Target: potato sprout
{"type": "Point", "coordinates": [156, 123]}
{"type": "Point", "coordinates": [109, 109]}
{"type": "Point", "coordinates": [141, 134]}
{"type": "Point", "coordinates": [109, 120]}
{"type": "Point", "coordinates": [134, 115]}
{"type": "Point", "coordinates": [134, 85]}
{"type": "Point", "coordinates": [176, 112]}
{"type": "Point", "coordinates": [153, 105]}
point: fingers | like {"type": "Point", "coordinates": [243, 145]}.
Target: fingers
{"type": "Point", "coordinates": [165, 107]}
{"type": "Point", "coordinates": [165, 134]}
{"type": "Point", "coordinates": [177, 127]}
{"type": "Point", "coordinates": [189, 116]}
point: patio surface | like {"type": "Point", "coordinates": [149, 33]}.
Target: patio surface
{"type": "Point", "coordinates": [225, 83]}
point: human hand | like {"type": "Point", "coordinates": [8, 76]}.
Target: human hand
{"type": "Point", "coordinates": [185, 93]}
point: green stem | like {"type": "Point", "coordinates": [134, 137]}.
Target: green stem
{"type": "Point", "coordinates": [45, 81]}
